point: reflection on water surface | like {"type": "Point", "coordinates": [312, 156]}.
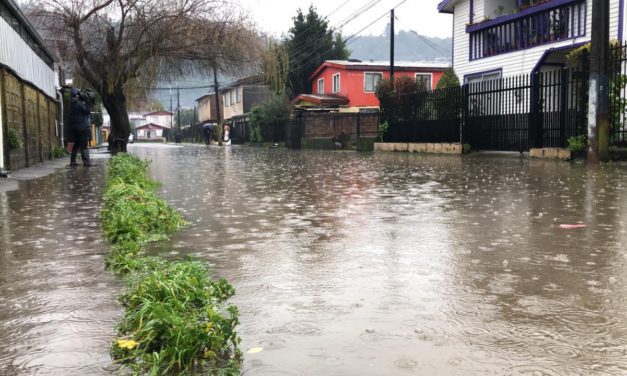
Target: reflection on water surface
{"type": "Point", "coordinates": [347, 264]}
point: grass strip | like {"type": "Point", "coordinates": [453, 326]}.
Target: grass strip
{"type": "Point", "coordinates": [177, 319]}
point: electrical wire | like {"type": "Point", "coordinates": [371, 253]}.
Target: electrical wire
{"type": "Point", "coordinates": [361, 30]}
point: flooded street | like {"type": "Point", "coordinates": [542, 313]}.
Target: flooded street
{"type": "Point", "coordinates": [344, 263]}
{"type": "Point", "coordinates": [58, 305]}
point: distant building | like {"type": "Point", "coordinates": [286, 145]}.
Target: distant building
{"type": "Point", "coordinates": [162, 118]}
{"type": "Point", "coordinates": [498, 38]}
{"type": "Point", "coordinates": [350, 84]}
{"type": "Point", "coordinates": [239, 97]}
{"type": "Point", "coordinates": [29, 110]}
{"type": "Point", "coordinates": [150, 132]}
{"type": "Point", "coordinates": [207, 108]}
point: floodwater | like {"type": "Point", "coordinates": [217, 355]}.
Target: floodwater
{"type": "Point", "coordinates": [344, 263]}
{"type": "Point", "coordinates": [58, 306]}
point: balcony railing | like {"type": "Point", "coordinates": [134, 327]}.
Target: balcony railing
{"type": "Point", "coordinates": [549, 22]}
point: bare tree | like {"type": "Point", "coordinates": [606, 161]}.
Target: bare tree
{"type": "Point", "coordinates": [123, 46]}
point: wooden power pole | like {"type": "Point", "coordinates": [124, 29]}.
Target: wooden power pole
{"type": "Point", "coordinates": [392, 47]}
{"type": "Point", "coordinates": [599, 99]}
{"type": "Point", "coordinates": [216, 90]}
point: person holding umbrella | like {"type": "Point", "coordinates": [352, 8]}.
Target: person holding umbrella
{"type": "Point", "coordinates": [208, 129]}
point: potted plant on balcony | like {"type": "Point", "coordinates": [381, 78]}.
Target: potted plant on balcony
{"type": "Point", "coordinates": [558, 29]}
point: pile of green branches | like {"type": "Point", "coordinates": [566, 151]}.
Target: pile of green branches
{"type": "Point", "coordinates": [177, 319]}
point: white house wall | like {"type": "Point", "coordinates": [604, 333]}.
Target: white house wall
{"type": "Point", "coordinates": [613, 18]}
{"type": "Point", "coordinates": [513, 63]}
{"type": "Point", "coordinates": [17, 55]}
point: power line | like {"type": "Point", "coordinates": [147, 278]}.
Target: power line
{"type": "Point", "coordinates": [345, 21]}
{"type": "Point", "coordinates": [435, 48]}
{"type": "Point", "coordinates": [346, 40]}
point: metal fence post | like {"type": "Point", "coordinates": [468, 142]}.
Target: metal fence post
{"type": "Point", "coordinates": [464, 115]}
{"type": "Point", "coordinates": [564, 74]}
{"type": "Point", "coordinates": [358, 126]}
{"type": "Point", "coordinates": [535, 116]}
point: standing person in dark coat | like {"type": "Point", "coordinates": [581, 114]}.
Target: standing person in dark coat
{"type": "Point", "coordinates": [80, 109]}
{"type": "Point", "coordinates": [208, 129]}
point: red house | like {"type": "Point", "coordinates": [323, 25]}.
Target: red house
{"type": "Point", "coordinates": [350, 84]}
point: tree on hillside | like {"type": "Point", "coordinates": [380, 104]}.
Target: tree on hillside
{"type": "Point", "coordinates": [310, 43]}
{"type": "Point", "coordinates": [120, 46]}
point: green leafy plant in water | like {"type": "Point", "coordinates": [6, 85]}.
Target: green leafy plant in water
{"type": "Point", "coordinates": [466, 148]}
{"type": "Point", "coordinates": [14, 140]}
{"type": "Point", "coordinates": [175, 313]}
{"type": "Point", "coordinates": [177, 320]}
{"type": "Point", "coordinates": [383, 129]}
{"type": "Point", "coordinates": [577, 144]}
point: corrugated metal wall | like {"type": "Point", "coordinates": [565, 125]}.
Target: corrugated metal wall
{"type": "Point", "coordinates": [18, 56]}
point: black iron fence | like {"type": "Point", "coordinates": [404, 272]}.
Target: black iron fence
{"type": "Point", "coordinates": [430, 116]}
{"type": "Point", "coordinates": [618, 95]}
{"type": "Point", "coordinates": [509, 114]}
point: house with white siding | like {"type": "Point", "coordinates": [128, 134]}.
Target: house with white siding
{"type": "Point", "coordinates": [161, 118]}
{"type": "Point", "coordinates": [499, 38]}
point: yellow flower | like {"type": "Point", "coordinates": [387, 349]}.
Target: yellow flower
{"type": "Point", "coordinates": [209, 327]}
{"type": "Point", "coordinates": [210, 354]}
{"type": "Point", "coordinates": [128, 344]}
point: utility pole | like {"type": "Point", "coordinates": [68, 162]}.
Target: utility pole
{"type": "Point", "coordinates": [392, 47]}
{"type": "Point", "coordinates": [598, 102]}
{"type": "Point", "coordinates": [217, 94]}
{"type": "Point", "coordinates": [178, 107]}
{"type": "Point", "coordinates": [171, 113]}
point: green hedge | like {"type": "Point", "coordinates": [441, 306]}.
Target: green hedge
{"type": "Point", "coordinates": [177, 319]}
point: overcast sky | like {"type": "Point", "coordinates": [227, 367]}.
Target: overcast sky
{"type": "Point", "coordinates": [275, 16]}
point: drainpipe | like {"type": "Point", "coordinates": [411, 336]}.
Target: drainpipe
{"type": "Point", "coordinates": [61, 116]}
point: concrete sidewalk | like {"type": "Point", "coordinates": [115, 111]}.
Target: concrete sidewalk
{"type": "Point", "coordinates": [46, 168]}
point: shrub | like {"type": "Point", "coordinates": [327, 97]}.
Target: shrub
{"type": "Point", "coordinates": [269, 119]}
{"type": "Point", "coordinates": [58, 152]}
{"type": "Point", "coordinates": [14, 140]}
{"type": "Point", "coordinates": [383, 129]}
{"type": "Point", "coordinates": [448, 79]}
{"type": "Point", "coordinates": [577, 144]}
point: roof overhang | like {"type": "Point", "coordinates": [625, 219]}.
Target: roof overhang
{"type": "Point", "coordinates": [30, 29]}
{"type": "Point", "coordinates": [447, 6]}
{"type": "Point", "coordinates": [321, 100]}
{"type": "Point", "coordinates": [369, 66]}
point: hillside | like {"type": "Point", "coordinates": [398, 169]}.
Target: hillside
{"type": "Point", "coordinates": [408, 47]}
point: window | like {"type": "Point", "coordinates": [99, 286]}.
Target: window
{"type": "Point", "coordinates": [482, 100]}
{"type": "Point", "coordinates": [226, 100]}
{"type": "Point", "coordinates": [321, 86]}
{"type": "Point", "coordinates": [232, 95]}
{"type": "Point", "coordinates": [424, 81]}
{"type": "Point", "coordinates": [482, 77]}
{"type": "Point", "coordinates": [238, 96]}
{"type": "Point", "coordinates": [371, 80]}
{"type": "Point", "coordinates": [336, 83]}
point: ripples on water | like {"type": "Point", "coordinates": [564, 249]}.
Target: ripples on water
{"type": "Point", "coordinates": [404, 264]}
{"type": "Point", "coordinates": [57, 303]}
{"type": "Point", "coordinates": [354, 264]}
